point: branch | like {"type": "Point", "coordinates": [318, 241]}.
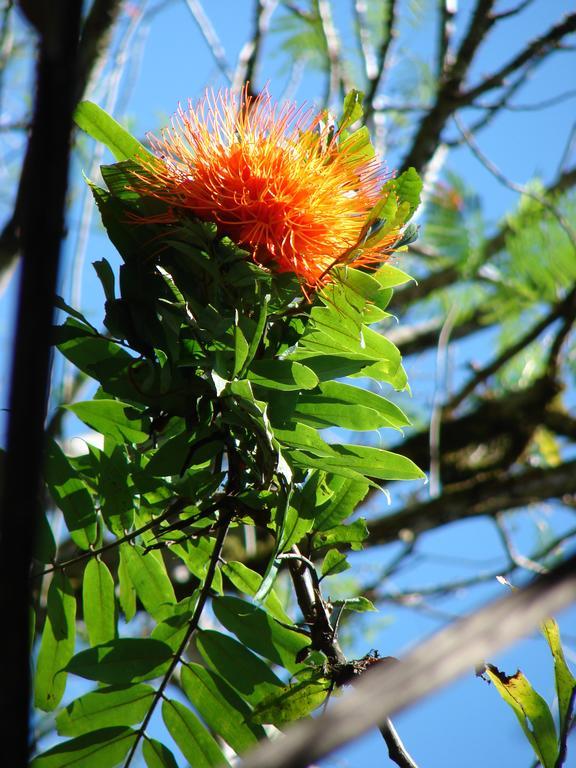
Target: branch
{"type": "Point", "coordinates": [480, 498]}
{"type": "Point", "coordinates": [538, 48]}
{"type": "Point", "coordinates": [41, 221]}
{"type": "Point", "coordinates": [93, 40]}
{"type": "Point", "coordinates": [449, 97]}
{"type": "Point", "coordinates": [250, 53]}
{"type": "Point", "coordinates": [316, 615]}
{"type": "Point", "coordinates": [209, 34]}
{"type": "Point", "coordinates": [436, 662]}
{"type": "Point", "coordinates": [337, 77]}
{"type": "Point", "coordinates": [202, 598]}
{"type": "Point", "coordinates": [565, 309]}
{"type": "Point", "coordinates": [442, 278]}
{"type": "Point", "coordinates": [388, 36]}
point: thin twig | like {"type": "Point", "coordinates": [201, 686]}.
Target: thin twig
{"type": "Point", "coordinates": [433, 664]}
{"type": "Point", "coordinates": [210, 36]}
{"type": "Point", "coordinates": [439, 399]}
{"type": "Point", "coordinates": [497, 173]}
{"type": "Point", "coordinates": [563, 308]}
{"type": "Point", "coordinates": [202, 598]}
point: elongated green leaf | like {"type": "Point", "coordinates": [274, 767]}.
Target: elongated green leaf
{"type": "Point", "coordinates": [334, 562]}
{"type": "Point", "coordinates": [173, 628]}
{"type": "Point", "coordinates": [352, 535]}
{"type": "Point", "coordinates": [408, 187]}
{"type": "Point", "coordinates": [57, 644]}
{"type": "Point", "coordinates": [121, 661]}
{"type": "Point", "coordinates": [564, 679]}
{"type": "Point", "coordinates": [150, 579]}
{"type": "Point", "coordinates": [72, 497]}
{"type": "Point", "coordinates": [352, 109]}
{"type": "Point", "coordinates": [115, 488]}
{"type": "Point", "coordinates": [100, 749]}
{"type": "Point", "coordinates": [241, 668]}
{"type": "Point", "coordinates": [103, 708]}
{"type": "Point", "coordinates": [294, 702]}
{"type": "Point", "coordinates": [282, 374]}
{"type": "Point", "coordinates": [344, 496]}
{"type": "Point", "coordinates": [100, 126]}
{"type": "Point", "coordinates": [98, 601]}
{"type": "Point", "coordinates": [220, 707]}
{"type": "Point", "coordinates": [156, 755]}
{"type": "Point", "coordinates": [197, 746]}
{"type": "Point", "coordinates": [377, 463]}
{"type": "Point", "coordinates": [248, 581]}
{"type": "Point", "coordinates": [260, 631]}
{"type": "Point", "coordinates": [112, 418]}
{"type": "Point", "coordinates": [532, 712]}
{"type": "Point", "coordinates": [349, 407]}
{"type": "Point", "coordinates": [126, 592]}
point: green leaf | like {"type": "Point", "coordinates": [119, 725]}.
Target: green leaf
{"type": "Point", "coordinates": [121, 661]}
{"type": "Point", "coordinates": [71, 495]}
{"type": "Point", "coordinates": [100, 126]}
{"type": "Point", "coordinates": [389, 276]}
{"type": "Point", "coordinates": [344, 496]}
{"type": "Point", "coordinates": [241, 668]}
{"type": "Point", "coordinates": [532, 712]}
{"type": "Point", "coordinates": [106, 277]}
{"type": "Point", "coordinates": [99, 749]}
{"type": "Point", "coordinates": [564, 679]}
{"type": "Point", "coordinates": [173, 628]}
{"type": "Point", "coordinates": [353, 109]}
{"type": "Point", "coordinates": [293, 703]}
{"type": "Point", "coordinates": [408, 187]}
{"type": "Point", "coordinates": [357, 604]}
{"type": "Point", "coordinates": [334, 562]}
{"type": "Point", "coordinates": [57, 644]}
{"type": "Point", "coordinates": [260, 631]}
{"type": "Point", "coordinates": [104, 708]}
{"type": "Point", "coordinates": [220, 707]}
{"type": "Point", "coordinates": [196, 744]}
{"type": "Point", "coordinates": [241, 349]}
{"type": "Point", "coordinates": [156, 755]}
{"type": "Point", "coordinates": [249, 582]}
{"type": "Point", "coordinates": [112, 418]}
{"type": "Point", "coordinates": [352, 535]}
{"type": "Point", "coordinates": [98, 602]}
{"type": "Point", "coordinates": [282, 374]}
{"type": "Point", "coordinates": [126, 591]}
{"type": "Point", "coordinates": [152, 584]}
{"type": "Point", "coordinates": [115, 488]}
{"type": "Point", "coordinates": [342, 405]}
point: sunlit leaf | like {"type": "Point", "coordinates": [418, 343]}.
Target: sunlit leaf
{"type": "Point", "coordinates": [57, 644]}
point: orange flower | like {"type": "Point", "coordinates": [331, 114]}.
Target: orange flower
{"type": "Point", "coordinates": [274, 179]}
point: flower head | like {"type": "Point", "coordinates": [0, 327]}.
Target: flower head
{"type": "Point", "coordinates": [276, 180]}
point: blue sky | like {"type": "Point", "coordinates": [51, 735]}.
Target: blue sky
{"type": "Point", "coordinates": [166, 62]}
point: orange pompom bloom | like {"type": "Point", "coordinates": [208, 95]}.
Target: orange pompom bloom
{"type": "Point", "coordinates": [274, 179]}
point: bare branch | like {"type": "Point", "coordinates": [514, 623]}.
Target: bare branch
{"type": "Point", "coordinates": [537, 49]}
{"type": "Point", "coordinates": [337, 76]}
{"type": "Point", "coordinates": [433, 664]}
{"type": "Point", "coordinates": [497, 173]}
{"type": "Point", "coordinates": [565, 308]}
{"type": "Point", "coordinates": [446, 31]}
{"type": "Point", "coordinates": [480, 498]}
{"type": "Point", "coordinates": [388, 36]}
{"type": "Point", "coordinates": [249, 55]}
{"type": "Point", "coordinates": [210, 36]}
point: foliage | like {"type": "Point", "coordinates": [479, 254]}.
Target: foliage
{"type": "Point", "coordinates": [216, 378]}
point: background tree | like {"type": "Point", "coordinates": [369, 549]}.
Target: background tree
{"type": "Point", "coordinates": [495, 430]}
